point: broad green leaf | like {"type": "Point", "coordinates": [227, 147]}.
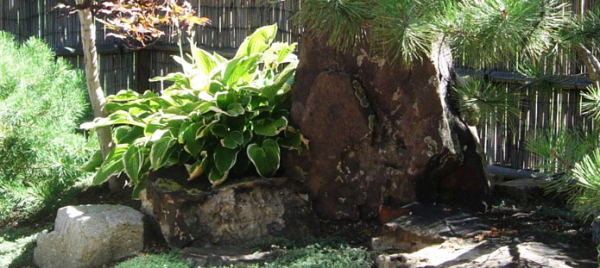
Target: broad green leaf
{"type": "Point", "coordinates": [137, 188]}
{"type": "Point", "coordinates": [265, 158]}
{"type": "Point", "coordinates": [182, 130]}
{"type": "Point", "coordinates": [199, 167]}
{"type": "Point", "coordinates": [133, 107]}
{"type": "Point", "coordinates": [241, 165]}
{"type": "Point", "coordinates": [204, 107]}
{"type": "Point", "coordinates": [205, 62]}
{"type": "Point", "coordinates": [112, 165]}
{"type": "Point", "coordinates": [93, 163]}
{"type": "Point", "coordinates": [235, 123]}
{"type": "Point", "coordinates": [159, 154]}
{"type": "Point", "coordinates": [216, 177]}
{"type": "Point", "coordinates": [174, 77]}
{"type": "Point", "coordinates": [218, 58]}
{"type": "Point", "coordinates": [286, 74]}
{"type": "Point", "coordinates": [187, 67]}
{"type": "Point", "coordinates": [279, 53]}
{"type": "Point", "coordinates": [269, 127]}
{"type": "Point", "coordinates": [188, 137]}
{"type": "Point", "coordinates": [116, 118]}
{"type": "Point", "coordinates": [121, 132]}
{"type": "Point", "coordinates": [247, 137]}
{"type": "Point", "coordinates": [292, 139]}
{"type": "Point", "coordinates": [149, 94]}
{"type": "Point", "coordinates": [285, 55]}
{"type": "Point", "coordinates": [229, 70]}
{"type": "Point", "coordinates": [257, 42]}
{"type": "Point", "coordinates": [123, 95]}
{"type": "Point", "coordinates": [199, 81]}
{"type": "Point", "coordinates": [205, 130]}
{"type": "Point", "coordinates": [175, 110]}
{"type": "Point", "coordinates": [215, 87]}
{"type": "Point", "coordinates": [241, 71]}
{"type": "Point", "coordinates": [224, 99]}
{"type": "Point", "coordinates": [158, 134]}
{"type": "Point", "coordinates": [219, 130]}
{"type": "Point", "coordinates": [153, 126]}
{"type": "Point", "coordinates": [224, 158]}
{"type": "Point", "coordinates": [133, 160]}
{"type": "Point", "coordinates": [232, 140]}
{"type": "Point", "coordinates": [157, 103]}
{"type": "Point", "coordinates": [235, 109]}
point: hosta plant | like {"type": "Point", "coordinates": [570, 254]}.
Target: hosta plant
{"type": "Point", "coordinates": [219, 117]}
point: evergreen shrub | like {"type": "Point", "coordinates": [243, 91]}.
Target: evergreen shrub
{"type": "Point", "coordinates": [41, 102]}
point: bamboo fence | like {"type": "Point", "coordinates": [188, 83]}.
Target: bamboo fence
{"type": "Point", "coordinates": [233, 20]}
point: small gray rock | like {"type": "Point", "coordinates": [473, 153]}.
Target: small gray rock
{"type": "Point", "coordinates": [90, 236]}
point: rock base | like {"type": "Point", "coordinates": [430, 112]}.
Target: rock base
{"type": "Point", "coordinates": [228, 215]}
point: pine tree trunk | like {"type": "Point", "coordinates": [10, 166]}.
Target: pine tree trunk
{"type": "Point", "coordinates": [88, 36]}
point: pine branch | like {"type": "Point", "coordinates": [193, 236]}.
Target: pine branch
{"type": "Point", "coordinates": [590, 61]}
{"type": "Point", "coordinates": [563, 162]}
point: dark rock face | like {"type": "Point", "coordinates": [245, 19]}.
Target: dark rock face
{"type": "Point", "coordinates": [380, 134]}
{"type": "Point", "coordinates": [228, 215]}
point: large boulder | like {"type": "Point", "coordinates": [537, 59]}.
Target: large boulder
{"type": "Point", "coordinates": [227, 215]}
{"type": "Point", "coordinates": [380, 134]}
{"type": "Point", "coordinates": [90, 236]}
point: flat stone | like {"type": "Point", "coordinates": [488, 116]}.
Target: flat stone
{"type": "Point", "coordinates": [210, 257]}
{"type": "Point", "coordinates": [425, 225]}
{"type": "Point", "coordinates": [460, 253]}
{"type": "Point", "coordinates": [90, 236]}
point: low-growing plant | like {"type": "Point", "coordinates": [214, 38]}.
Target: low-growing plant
{"type": "Point", "coordinates": [16, 246]}
{"type": "Point", "coordinates": [171, 260]}
{"type": "Point", "coordinates": [316, 255]}
{"type": "Point", "coordinates": [219, 117]}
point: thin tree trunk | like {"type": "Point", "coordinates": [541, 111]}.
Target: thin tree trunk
{"type": "Point", "coordinates": [88, 37]}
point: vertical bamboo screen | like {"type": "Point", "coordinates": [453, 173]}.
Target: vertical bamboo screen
{"type": "Point", "coordinates": [233, 20]}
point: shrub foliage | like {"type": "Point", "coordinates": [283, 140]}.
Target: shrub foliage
{"type": "Point", "coordinates": [41, 101]}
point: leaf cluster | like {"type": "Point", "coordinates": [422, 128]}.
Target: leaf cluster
{"type": "Point", "coordinates": [141, 20]}
{"type": "Point", "coordinates": [219, 116]}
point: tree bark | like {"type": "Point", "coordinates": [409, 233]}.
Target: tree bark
{"type": "Point", "coordinates": [88, 37]}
